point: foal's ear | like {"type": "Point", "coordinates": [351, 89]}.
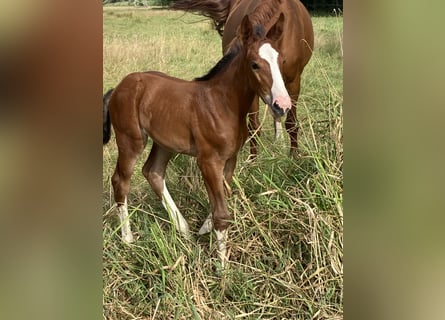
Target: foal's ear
{"type": "Point", "coordinates": [276, 31]}
{"type": "Point", "coordinates": [245, 29]}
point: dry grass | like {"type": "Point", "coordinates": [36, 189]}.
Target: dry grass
{"type": "Point", "coordinates": [286, 240]}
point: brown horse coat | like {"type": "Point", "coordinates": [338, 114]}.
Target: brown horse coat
{"type": "Point", "coordinates": [295, 45]}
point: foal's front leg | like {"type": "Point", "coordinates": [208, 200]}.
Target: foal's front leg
{"type": "Point", "coordinates": [229, 168]}
{"type": "Point", "coordinates": [212, 173]}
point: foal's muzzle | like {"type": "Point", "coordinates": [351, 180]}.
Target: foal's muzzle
{"type": "Point", "coordinates": [280, 106]}
{"type": "Point", "coordinates": [277, 110]}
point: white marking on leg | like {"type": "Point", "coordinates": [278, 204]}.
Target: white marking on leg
{"type": "Point", "coordinates": [278, 130]}
{"type": "Point", "coordinates": [279, 92]}
{"type": "Point", "coordinates": [122, 212]}
{"type": "Point", "coordinates": [174, 212]}
{"type": "Point", "coordinates": [221, 249]}
{"type": "Point", "coordinates": [207, 226]}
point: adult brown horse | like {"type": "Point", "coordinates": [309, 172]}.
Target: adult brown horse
{"type": "Point", "coordinates": [204, 118]}
{"type": "Point", "coordinates": [294, 46]}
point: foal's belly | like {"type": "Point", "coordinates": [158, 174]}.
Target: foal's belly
{"type": "Point", "coordinates": [174, 143]}
{"type": "Point", "coordinates": [173, 136]}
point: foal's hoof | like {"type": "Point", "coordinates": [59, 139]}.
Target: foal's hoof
{"type": "Point", "coordinates": [186, 235]}
{"type": "Point", "coordinates": [207, 226]}
{"type": "Point", "coordinates": [128, 238]}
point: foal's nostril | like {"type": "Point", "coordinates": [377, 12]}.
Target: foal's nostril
{"type": "Point", "coordinates": [277, 109]}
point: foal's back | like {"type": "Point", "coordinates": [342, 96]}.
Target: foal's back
{"type": "Point", "coordinates": [160, 106]}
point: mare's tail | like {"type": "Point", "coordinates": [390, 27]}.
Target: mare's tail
{"type": "Point", "coordinates": [106, 117]}
{"type": "Point", "coordinates": [217, 10]}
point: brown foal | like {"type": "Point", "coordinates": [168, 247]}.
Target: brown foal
{"type": "Point", "coordinates": [204, 118]}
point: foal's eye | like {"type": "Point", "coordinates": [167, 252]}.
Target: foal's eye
{"type": "Point", "coordinates": [255, 66]}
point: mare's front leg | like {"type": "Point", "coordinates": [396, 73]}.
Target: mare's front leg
{"type": "Point", "coordinates": [291, 119]}
{"type": "Point", "coordinates": [212, 173]}
{"type": "Point", "coordinates": [278, 129]}
{"type": "Point", "coordinates": [254, 127]}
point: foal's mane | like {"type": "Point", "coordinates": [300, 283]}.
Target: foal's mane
{"type": "Point", "coordinates": [263, 14]}
{"type": "Point", "coordinates": [235, 48]}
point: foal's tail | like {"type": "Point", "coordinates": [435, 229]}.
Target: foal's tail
{"type": "Point", "coordinates": [217, 10]}
{"type": "Point", "coordinates": [106, 117]}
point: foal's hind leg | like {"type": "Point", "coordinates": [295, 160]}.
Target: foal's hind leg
{"type": "Point", "coordinates": [129, 150]}
{"type": "Point", "coordinates": [154, 170]}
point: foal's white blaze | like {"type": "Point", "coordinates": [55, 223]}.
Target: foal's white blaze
{"type": "Point", "coordinates": [221, 239]}
{"type": "Point", "coordinates": [279, 92]}
{"type": "Point", "coordinates": [122, 212]}
{"type": "Point", "coordinates": [173, 210]}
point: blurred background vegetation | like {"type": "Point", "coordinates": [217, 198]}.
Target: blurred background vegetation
{"type": "Point", "coordinates": [312, 5]}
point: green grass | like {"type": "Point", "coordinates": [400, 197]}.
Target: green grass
{"type": "Point", "coordinates": [286, 240]}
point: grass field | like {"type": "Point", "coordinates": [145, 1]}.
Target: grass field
{"type": "Point", "coordinates": [286, 240]}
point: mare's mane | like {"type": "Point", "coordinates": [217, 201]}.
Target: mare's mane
{"type": "Point", "coordinates": [265, 12]}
